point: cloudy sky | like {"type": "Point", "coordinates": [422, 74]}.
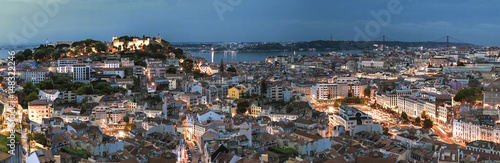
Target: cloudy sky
{"type": "Point", "coordinates": [476, 22]}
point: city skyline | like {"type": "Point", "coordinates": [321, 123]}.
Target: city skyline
{"type": "Point", "coordinates": [249, 81]}
{"type": "Point", "coordinates": [254, 21]}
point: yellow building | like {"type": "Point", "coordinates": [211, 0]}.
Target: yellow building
{"type": "Point", "coordinates": [236, 92]}
{"type": "Point", "coordinates": [255, 109]}
{"type": "Point", "coordinates": [131, 106]}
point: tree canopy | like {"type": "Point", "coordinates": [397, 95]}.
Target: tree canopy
{"type": "Point", "coordinates": [404, 116]}
{"type": "Point", "coordinates": [187, 65]}
{"type": "Point", "coordinates": [231, 69]}
{"type": "Point", "coordinates": [87, 42]}
{"type": "Point", "coordinates": [99, 88]}
{"type": "Point", "coordinates": [242, 107]}
{"type": "Point", "coordinates": [43, 54]}
{"type": "Point", "coordinates": [221, 68]}
{"type": "Point", "coordinates": [101, 47]}
{"type": "Point", "coordinates": [469, 95]}
{"type": "Point", "coordinates": [424, 115]}
{"type": "Point", "coordinates": [428, 124]}
{"type": "Point", "coordinates": [263, 86]}
{"type": "Point", "coordinates": [417, 120]}
{"type": "Point", "coordinates": [367, 91]}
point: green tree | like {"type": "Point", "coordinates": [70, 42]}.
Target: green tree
{"type": "Point", "coordinates": [289, 108]}
{"type": "Point", "coordinates": [179, 53]}
{"type": "Point", "coordinates": [404, 116]}
{"type": "Point", "coordinates": [40, 138]}
{"type": "Point", "coordinates": [417, 121]}
{"type": "Point", "coordinates": [263, 87]}
{"type": "Point", "coordinates": [126, 118]}
{"type": "Point", "coordinates": [221, 68]}
{"type": "Point", "coordinates": [56, 55]}
{"type": "Point", "coordinates": [386, 131]}
{"type": "Point", "coordinates": [29, 87]}
{"type": "Point", "coordinates": [187, 65]}
{"type": "Point", "coordinates": [27, 53]}
{"type": "Point", "coordinates": [1, 110]}
{"type": "Point", "coordinates": [32, 96]}
{"type": "Point", "coordinates": [101, 47]}
{"type": "Point", "coordinates": [19, 57]}
{"type": "Point", "coordinates": [129, 126]}
{"type": "Point", "coordinates": [469, 95]}
{"type": "Point", "coordinates": [83, 110]}
{"type": "Point", "coordinates": [231, 69]}
{"type": "Point", "coordinates": [46, 84]}
{"type": "Point", "coordinates": [86, 89]}
{"type": "Point", "coordinates": [424, 115]}
{"type": "Point", "coordinates": [88, 50]}
{"type": "Point", "coordinates": [171, 70]}
{"type": "Point", "coordinates": [367, 92]}
{"type": "Point", "coordinates": [137, 82]}
{"type": "Point", "coordinates": [42, 54]}
{"type": "Point", "coordinates": [242, 107]}
{"type": "Point", "coordinates": [428, 124]}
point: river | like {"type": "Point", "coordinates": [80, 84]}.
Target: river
{"type": "Point", "coordinates": [227, 56]}
{"type": "Point", "coordinates": [254, 56]}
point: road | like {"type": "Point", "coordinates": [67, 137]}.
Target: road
{"type": "Point", "coordinates": [378, 115]}
{"type": "Point", "coordinates": [445, 136]}
{"type": "Point", "coordinates": [196, 155]}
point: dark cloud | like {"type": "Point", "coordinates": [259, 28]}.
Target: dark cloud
{"type": "Point", "coordinates": [256, 20]}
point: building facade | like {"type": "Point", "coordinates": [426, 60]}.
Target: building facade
{"type": "Point", "coordinates": [38, 109]}
{"type": "Point", "coordinates": [81, 72]}
{"type": "Point", "coordinates": [328, 91]}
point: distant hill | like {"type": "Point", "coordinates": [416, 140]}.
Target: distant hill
{"type": "Point", "coordinates": [345, 45]}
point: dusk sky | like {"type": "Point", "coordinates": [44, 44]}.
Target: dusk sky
{"type": "Point", "coordinates": [476, 22]}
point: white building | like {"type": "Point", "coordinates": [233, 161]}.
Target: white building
{"type": "Point", "coordinates": [372, 63]}
{"type": "Point", "coordinates": [112, 64]}
{"type": "Point", "coordinates": [349, 117]}
{"type": "Point", "coordinates": [50, 95]}
{"type": "Point", "coordinates": [442, 114]}
{"type": "Point", "coordinates": [34, 75]}
{"type": "Point", "coordinates": [126, 62]}
{"type": "Point", "coordinates": [278, 92]}
{"type": "Point", "coordinates": [389, 100]}
{"type": "Point", "coordinates": [63, 62]}
{"type": "Point", "coordinates": [278, 117]}
{"type": "Point", "coordinates": [349, 80]}
{"type": "Point", "coordinates": [328, 91]}
{"type": "Point", "coordinates": [414, 106]}
{"type": "Point", "coordinates": [314, 144]}
{"type": "Point", "coordinates": [468, 130]}
{"type": "Point", "coordinates": [81, 72]}
{"type": "Point", "coordinates": [484, 147]}
{"type": "Point", "coordinates": [65, 65]}
{"type": "Point", "coordinates": [114, 71]}
{"type": "Point", "coordinates": [209, 115]}
{"type": "Point", "coordinates": [65, 69]}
